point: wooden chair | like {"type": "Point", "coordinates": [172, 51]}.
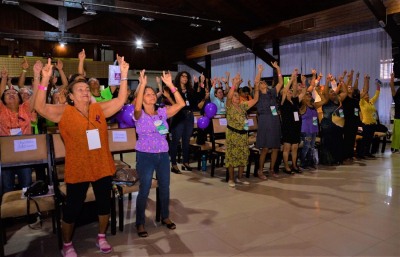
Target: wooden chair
{"type": "Point", "coordinates": [199, 150]}
{"type": "Point", "coordinates": [219, 126]}
{"type": "Point", "coordinates": [124, 141]}
{"type": "Point", "coordinates": [26, 151]}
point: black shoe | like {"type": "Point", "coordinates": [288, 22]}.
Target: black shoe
{"type": "Point", "coordinates": [175, 170]}
{"type": "Point", "coordinates": [370, 156]}
{"type": "Point", "coordinates": [186, 167]}
{"type": "Point", "coordinates": [169, 225]}
{"type": "Point", "coordinates": [142, 233]}
{"type": "Point", "coordinates": [297, 170]}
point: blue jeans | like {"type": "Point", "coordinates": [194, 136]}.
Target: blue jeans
{"type": "Point", "coordinates": [145, 166]}
{"type": "Point", "coordinates": [308, 147]}
{"type": "Point", "coordinates": [24, 178]}
{"type": "Point", "coordinates": [184, 130]}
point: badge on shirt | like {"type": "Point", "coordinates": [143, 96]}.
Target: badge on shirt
{"type": "Point", "coordinates": [273, 110]}
{"type": "Point", "coordinates": [15, 132]}
{"type": "Point", "coordinates": [93, 138]}
{"type": "Point", "coordinates": [341, 113]}
{"type": "Point", "coordinates": [187, 103]}
{"type": "Point", "coordinates": [296, 116]}
{"type": "Point", "coordinates": [246, 125]}
{"type": "Point", "coordinates": [355, 111]}
{"type": "Point", "coordinates": [161, 128]}
{"type": "Point", "coordinates": [315, 121]}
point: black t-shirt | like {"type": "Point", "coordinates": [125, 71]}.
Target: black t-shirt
{"type": "Point", "coordinates": [351, 111]}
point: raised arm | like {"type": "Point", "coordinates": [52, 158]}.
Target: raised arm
{"type": "Point", "coordinates": [235, 84]}
{"type": "Point", "coordinates": [137, 113]}
{"type": "Point", "coordinates": [349, 81]}
{"type": "Point", "coordinates": [59, 66]}
{"type": "Point", "coordinates": [159, 85]}
{"type": "Point", "coordinates": [392, 84]}
{"type": "Point", "coordinates": [115, 104]}
{"type": "Point", "coordinates": [49, 111]}
{"type": "Point", "coordinates": [355, 86]}
{"type": "Point", "coordinates": [343, 93]}
{"type": "Point", "coordinates": [365, 88]}
{"type": "Point", "coordinates": [22, 77]}
{"type": "Point", "coordinates": [278, 86]}
{"type": "Point", "coordinates": [303, 88]}
{"type": "Point", "coordinates": [82, 57]}
{"type": "Point", "coordinates": [37, 68]}
{"type": "Point", "coordinates": [3, 83]}
{"type": "Point", "coordinates": [179, 102]}
{"type": "Point", "coordinates": [253, 101]}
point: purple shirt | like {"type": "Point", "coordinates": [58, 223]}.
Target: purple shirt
{"type": "Point", "coordinates": [149, 139]}
{"type": "Point", "coordinates": [309, 121]}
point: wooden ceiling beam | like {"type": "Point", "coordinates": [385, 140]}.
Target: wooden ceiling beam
{"type": "Point", "coordinates": [387, 23]}
{"type": "Point", "coordinates": [39, 14]}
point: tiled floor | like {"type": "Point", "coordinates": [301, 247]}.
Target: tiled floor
{"type": "Point", "coordinates": [349, 210]}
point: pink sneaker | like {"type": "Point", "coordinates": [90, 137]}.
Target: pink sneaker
{"type": "Point", "coordinates": [103, 245]}
{"type": "Point", "coordinates": [68, 251]}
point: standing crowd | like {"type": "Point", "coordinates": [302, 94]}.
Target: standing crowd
{"type": "Point", "coordinates": [290, 116]}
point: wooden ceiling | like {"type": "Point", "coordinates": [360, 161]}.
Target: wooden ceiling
{"type": "Point", "coordinates": [182, 30]}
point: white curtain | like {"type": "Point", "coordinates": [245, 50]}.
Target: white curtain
{"type": "Point", "coordinates": [361, 51]}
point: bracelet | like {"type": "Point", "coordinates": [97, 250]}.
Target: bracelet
{"type": "Point", "coordinates": [279, 75]}
{"type": "Point", "coordinates": [40, 87]}
{"type": "Point", "coordinates": [24, 71]}
{"type": "Point", "coordinates": [173, 90]}
{"type": "Point", "coordinates": [122, 79]}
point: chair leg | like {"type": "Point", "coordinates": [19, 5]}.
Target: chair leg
{"type": "Point", "coordinates": [120, 210]}
{"type": "Point", "coordinates": [212, 165]}
{"type": "Point", "coordinates": [383, 144]}
{"type": "Point", "coordinates": [113, 215]}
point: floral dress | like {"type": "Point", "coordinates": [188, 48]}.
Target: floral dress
{"type": "Point", "coordinates": [237, 149]}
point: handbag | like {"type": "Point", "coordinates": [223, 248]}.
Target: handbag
{"type": "Point", "coordinates": [114, 75]}
{"type": "Point", "coordinates": [37, 188]}
{"type": "Point", "coordinates": [337, 120]}
{"type": "Point", "coordinates": [126, 176]}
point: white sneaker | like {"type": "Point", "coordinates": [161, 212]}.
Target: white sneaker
{"type": "Point", "coordinates": [231, 183]}
{"type": "Point", "coordinates": [243, 182]}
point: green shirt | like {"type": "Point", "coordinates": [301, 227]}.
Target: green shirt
{"type": "Point", "coordinates": [105, 95]}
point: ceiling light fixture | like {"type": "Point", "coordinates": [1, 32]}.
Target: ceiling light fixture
{"type": "Point", "coordinates": [12, 2]}
{"type": "Point", "coordinates": [195, 25]}
{"type": "Point", "coordinates": [147, 18]}
{"type": "Point", "coordinates": [88, 10]}
{"type": "Point", "coordinates": [139, 44]}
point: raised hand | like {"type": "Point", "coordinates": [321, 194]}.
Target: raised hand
{"type": "Point", "coordinates": [47, 70]}
{"type": "Point", "coordinates": [142, 76]}
{"type": "Point", "coordinates": [275, 64]}
{"type": "Point", "coordinates": [167, 79]}
{"type": "Point", "coordinates": [82, 55]}
{"type": "Point", "coordinates": [195, 79]}
{"type": "Point", "coordinates": [59, 65]}
{"type": "Point", "coordinates": [4, 72]}
{"type": "Point", "coordinates": [37, 67]}
{"type": "Point", "coordinates": [25, 64]}
{"type": "Point", "coordinates": [124, 66]}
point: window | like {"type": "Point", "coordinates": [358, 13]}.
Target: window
{"type": "Point", "coordinates": [385, 69]}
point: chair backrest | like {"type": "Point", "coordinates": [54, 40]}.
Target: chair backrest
{"type": "Point", "coordinates": [58, 147]}
{"type": "Point", "coordinates": [23, 151]}
{"type": "Point", "coordinates": [122, 140]}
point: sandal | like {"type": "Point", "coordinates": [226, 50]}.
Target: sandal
{"type": "Point", "coordinates": [273, 174]}
{"type": "Point", "coordinates": [261, 175]}
{"type": "Point", "coordinates": [288, 171]}
{"type": "Point", "coordinates": [142, 233]}
{"type": "Point", "coordinates": [169, 224]}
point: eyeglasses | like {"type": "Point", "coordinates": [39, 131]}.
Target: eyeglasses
{"type": "Point", "coordinates": [184, 75]}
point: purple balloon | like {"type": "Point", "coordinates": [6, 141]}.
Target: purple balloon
{"type": "Point", "coordinates": [210, 110]}
{"type": "Point", "coordinates": [203, 122]}
{"type": "Point", "coordinates": [124, 116]}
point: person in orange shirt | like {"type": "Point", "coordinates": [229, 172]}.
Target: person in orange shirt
{"type": "Point", "coordinates": [15, 119]}
{"type": "Point", "coordinates": [83, 127]}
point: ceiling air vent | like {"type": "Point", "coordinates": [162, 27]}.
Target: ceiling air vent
{"type": "Point", "coordinates": [213, 47]}
{"type": "Point", "coordinates": [302, 25]}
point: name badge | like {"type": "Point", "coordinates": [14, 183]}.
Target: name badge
{"type": "Point", "coordinates": [246, 125]}
{"type": "Point", "coordinates": [273, 110]}
{"type": "Point", "coordinates": [296, 116]}
{"type": "Point", "coordinates": [341, 113]}
{"type": "Point", "coordinates": [93, 138]}
{"type": "Point", "coordinates": [161, 128]}
{"type": "Point", "coordinates": [355, 111]}
{"type": "Point", "coordinates": [315, 121]}
{"type": "Point", "coordinates": [223, 111]}
{"type": "Point", "coordinates": [15, 132]}
{"type": "Point", "coordinates": [187, 103]}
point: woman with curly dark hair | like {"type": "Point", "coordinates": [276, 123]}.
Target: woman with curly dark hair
{"type": "Point", "coordinates": [182, 123]}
